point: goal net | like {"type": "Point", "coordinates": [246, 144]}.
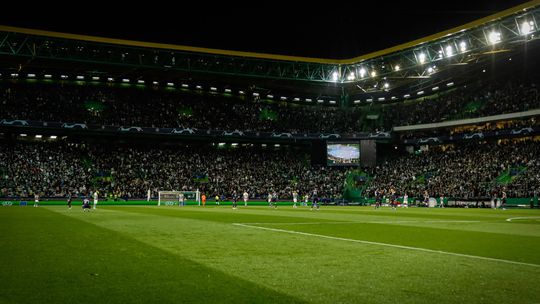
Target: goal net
{"type": "Point", "coordinates": [171, 198]}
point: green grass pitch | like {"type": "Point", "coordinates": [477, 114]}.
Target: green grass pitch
{"type": "Point", "coordinates": [150, 254]}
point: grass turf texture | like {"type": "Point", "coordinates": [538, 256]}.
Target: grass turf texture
{"type": "Point", "coordinates": [144, 254]}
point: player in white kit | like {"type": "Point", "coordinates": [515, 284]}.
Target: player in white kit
{"type": "Point", "coordinates": [405, 201]}
{"type": "Point", "coordinates": [95, 198]}
{"type": "Point", "coordinates": [295, 198]}
{"type": "Point", "coordinates": [246, 197]}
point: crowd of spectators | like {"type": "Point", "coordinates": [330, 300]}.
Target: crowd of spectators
{"type": "Point", "coordinates": [465, 171]}
{"type": "Point", "coordinates": [144, 107]}
{"type": "Point", "coordinates": [476, 100]}
{"type": "Point", "coordinates": [57, 169]}
{"type": "Point", "coordinates": [161, 108]}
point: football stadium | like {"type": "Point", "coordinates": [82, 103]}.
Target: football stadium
{"type": "Point", "coordinates": [138, 171]}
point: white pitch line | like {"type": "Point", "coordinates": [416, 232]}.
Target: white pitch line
{"type": "Point", "coordinates": [357, 222]}
{"type": "Point", "coordinates": [390, 245]}
{"type": "Point", "coordinates": [523, 218]}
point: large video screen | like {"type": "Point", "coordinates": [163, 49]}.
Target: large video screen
{"type": "Point", "coordinates": [342, 154]}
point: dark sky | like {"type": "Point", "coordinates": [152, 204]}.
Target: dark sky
{"type": "Point", "coordinates": [334, 29]}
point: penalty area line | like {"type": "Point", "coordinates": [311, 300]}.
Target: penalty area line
{"type": "Point", "coordinates": [389, 245]}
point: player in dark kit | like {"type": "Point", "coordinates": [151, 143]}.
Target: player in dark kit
{"type": "Point", "coordinates": [69, 201]}
{"type": "Point", "coordinates": [314, 200]}
{"type": "Point", "coordinates": [378, 198]}
{"type": "Point", "coordinates": [235, 199]}
{"type": "Point", "coordinates": [86, 205]}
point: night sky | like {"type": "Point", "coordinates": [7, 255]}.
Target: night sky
{"type": "Point", "coordinates": [333, 30]}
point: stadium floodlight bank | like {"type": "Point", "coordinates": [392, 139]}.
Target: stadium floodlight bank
{"type": "Point", "coordinates": [171, 198]}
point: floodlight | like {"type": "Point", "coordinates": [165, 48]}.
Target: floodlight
{"type": "Point", "coordinates": [362, 72]}
{"type": "Point", "coordinates": [422, 58]}
{"type": "Point", "coordinates": [463, 46]}
{"type": "Point", "coordinates": [494, 37]}
{"type": "Point", "coordinates": [526, 27]}
{"type": "Point", "coordinates": [449, 51]}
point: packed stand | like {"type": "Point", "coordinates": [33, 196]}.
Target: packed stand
{"type": "Point", "coordinates": [142, 107]}
{"type": "Point", "coordinates": [103, 105]}
{"type": "Point", "coordinates": [57, 169]}
{"type": "Point", "coordinates": [467, 172]}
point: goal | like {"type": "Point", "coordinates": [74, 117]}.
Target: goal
{"type": "Point", "coordinates": [171, 198]}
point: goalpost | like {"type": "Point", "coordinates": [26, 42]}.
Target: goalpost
{"type": "Point", "coordinates": [171, 198]}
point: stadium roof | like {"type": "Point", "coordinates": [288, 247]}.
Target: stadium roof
{"type": "Point", "coordinates": [410, 67]}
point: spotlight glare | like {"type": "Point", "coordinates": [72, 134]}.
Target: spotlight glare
{"type": "Point", "coordinates": [362, 72]}
{"type": "Point", "coordinates": [397, 67]}
{"type": "Point", "coordinates": [463, 46]}
{"type": "Point", "coordinates": [422, 58]}
{"type": "Point", "coordinates": [526, 27]}
{"type": "Point", "coordinates": [449, 51]}
{"type": "Point", "coordinates": [494, 37]}
{"type": "Point", "coordinates": [335, 76]}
